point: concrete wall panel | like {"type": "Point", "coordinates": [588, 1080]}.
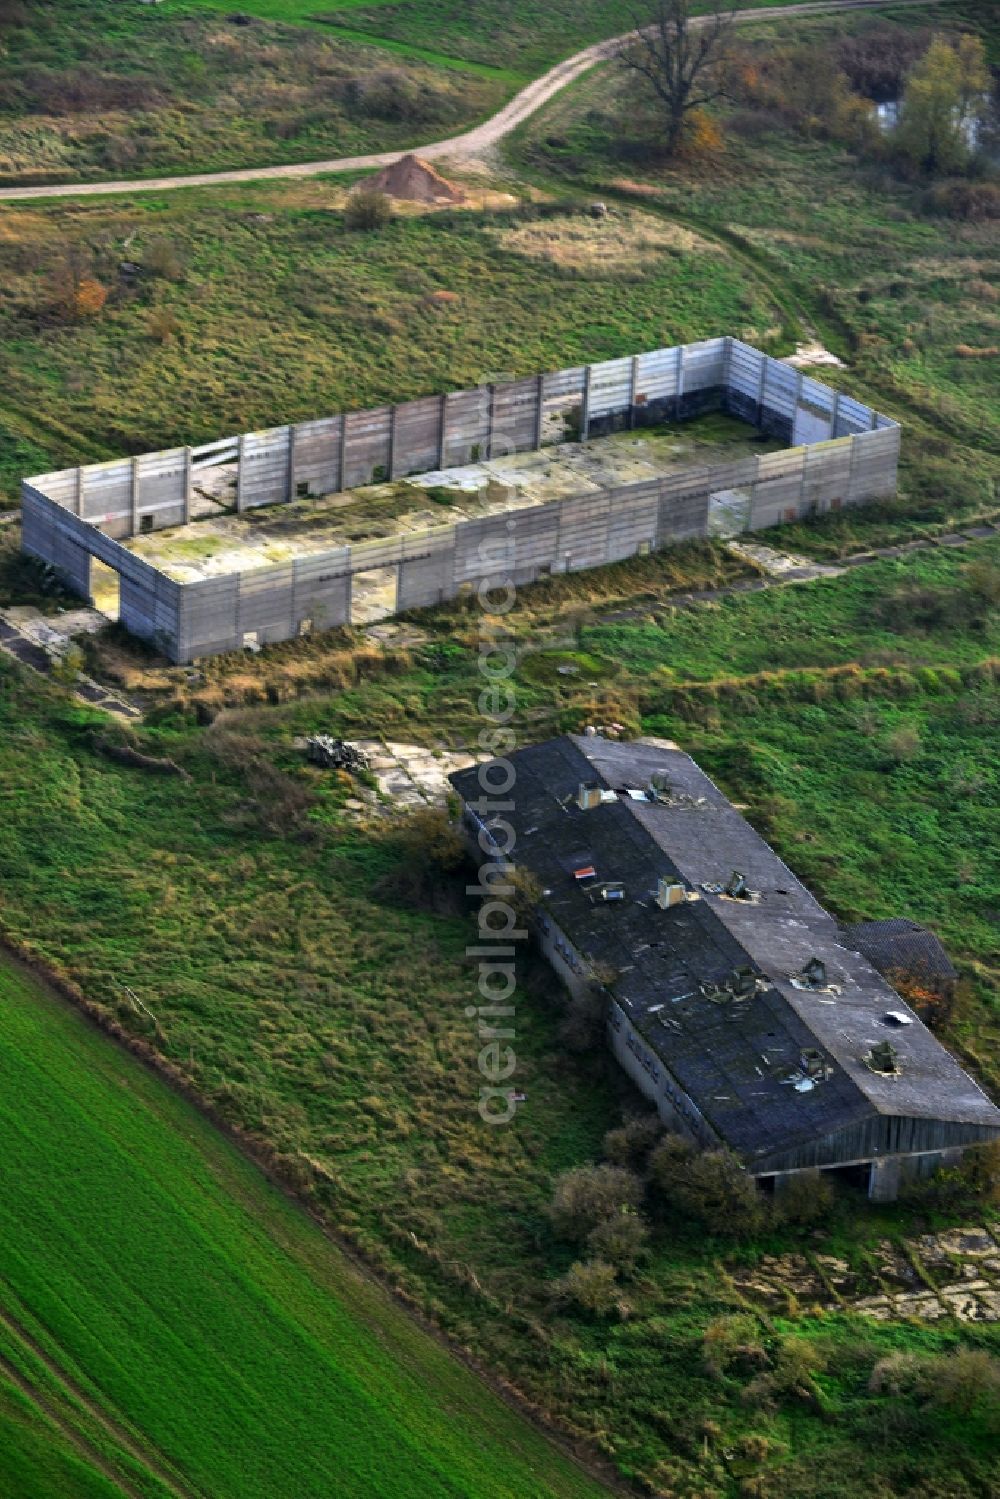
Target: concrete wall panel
{"type": "Point", "coordinates": [585, 530]}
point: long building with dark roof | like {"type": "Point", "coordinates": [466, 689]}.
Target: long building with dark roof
{"type": "Point", "coordinates": [734, 1003]}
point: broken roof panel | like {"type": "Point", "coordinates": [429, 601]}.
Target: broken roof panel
{"type": "Point", "coordinates": [741, 1059]}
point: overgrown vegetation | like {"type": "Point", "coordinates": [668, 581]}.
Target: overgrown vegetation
{"type": "Point", "coordinates": [317, 1002]}
{"type": "Point", "coordinates": [95, 88]}
{"type": "Point", "coordinates": [306, 971]}
{"type": "Point", "coordinates": [278, 311]}
{"type": "Point", "coordinates": [916, 321]}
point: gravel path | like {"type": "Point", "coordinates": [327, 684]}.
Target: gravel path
{"type": "Point", "coordinates": [469, 144]}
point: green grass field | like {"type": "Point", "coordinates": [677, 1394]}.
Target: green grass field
{"type": "Point", "coordinates": [325, 1013]}
{"type": "Point", "coordinates": [904, 294]}
{"type": "Point", "coordinates": [278, 313]}
{"type": "Point", "coordinates": [315, 997]}
{"type": "Point", "coordinates": [171, 1326]}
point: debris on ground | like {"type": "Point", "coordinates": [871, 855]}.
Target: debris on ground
{"type": "Point", "coordinates": [813, 355]}
{"type": "Point", "coordinates": [414, 181]}
{"type": "Point", "coordinates": [335, 754]}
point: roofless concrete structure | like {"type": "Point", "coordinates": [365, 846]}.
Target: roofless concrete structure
{"type": "Point", "coordinates": [376, 512]}
{"type": "Point", "coordinates": [735, 1003]}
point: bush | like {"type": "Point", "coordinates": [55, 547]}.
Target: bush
{"type": "Point", "coordinates": [367, 210]}
{"type": "Point", "coordinates": [589, 1195]}
{"type": "Point", "coordinates": [709, 1186]}
{"type": "Point", "coordinates": [956, 1382]}
{"type": "Point", "coordinates": [733, 1343]}
{"type": "Point", "coordinates": [972, 201]}
{"type": "Point", "coordinates": [619, 1241]}
{"type": "Point", "coordinates": [970, 1185]}
{"type": "Point", "coordinates": [592, 1284]}
{"type": "Point", "coordinates": [962, 1380]}
{"type": "Point", "coordinates": [162, 325]}
{"type": "Point", "coordinates": [805, 1200]}
{"type": "Point", "coordinates": [631, 1142]}
{"type": "Point", "coordinates": [162, 260]}
{"type": "Point", "coordinates": [903, 744]}
{"type": "Point", "coordinates": [582, 1028]}
{"type": "Point", "coordinates": [876, 59]}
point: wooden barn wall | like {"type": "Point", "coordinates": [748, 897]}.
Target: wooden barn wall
{"type": "Point", "coordinates": [874, 1138]}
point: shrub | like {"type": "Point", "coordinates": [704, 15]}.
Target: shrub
{"type": "Point", "coordinates": [429, 851]}
{"type": "Point", "coordinates": [974, 201]}
{"type": "Point", "coordinates": [794, 1365]}
{"type": "Point", "coordinates": [592, 1284]}
{"type": "Point", "coordinates": [619, 1241]}
{"type": "Point", "coordinates": [876, 60]}
{"type": "Point", "coordinates": [427, 837]}
{"type": "Point", "coordinates": [582, 1029]}
{"type": "Point", "coordinates": [970, 1185]}
{"type": "Point", "coordinates": [709, 1186]}
{"type": "Point", "coordinates": [589, 1195]}
{"type": "Point", "coordinates": [162, 325]}
{"type": "Point", "coordinates": [367, 210]}
{"type": "Point", "coordinates": [903, 744]}
{"type": "Point", "coordinates": [162, 260]}
{"type": "Point", "coordinates": [805, 1200]}
{"type": "Point", "coordinates": [631, 1142]}
{"type": "Point", "coordinates": [961, 1380]}
{"type": "Point", "coordinates": [89, 298]}
{"type": "Point", "coordinates": [733, 1343]}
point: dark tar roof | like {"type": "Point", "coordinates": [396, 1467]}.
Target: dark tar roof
{"type": "Point", "coordinates": [901, 946]}
{"type": "Point", "coordinates": [739, 1060]}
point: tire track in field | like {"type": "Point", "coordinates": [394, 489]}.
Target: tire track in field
{"type": "Point", "coordinates": [76, 1439]}
{"type": "Point", "coordinates": [144, 1454]}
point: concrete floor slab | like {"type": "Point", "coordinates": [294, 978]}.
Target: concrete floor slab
{"type": "Point", "coordinates": [223, 542]}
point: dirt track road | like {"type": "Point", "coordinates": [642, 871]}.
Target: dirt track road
{"type": "Point", "coordinates": [471, 143]}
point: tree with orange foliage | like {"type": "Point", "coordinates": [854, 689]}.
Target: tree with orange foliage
{"type": "Point", "coordinates": [682, 60]}
{"type": "Point", "coordinates": [90, 297]}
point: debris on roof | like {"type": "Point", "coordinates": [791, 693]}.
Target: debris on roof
{"type": "Point", "coordinates": [727, 994]}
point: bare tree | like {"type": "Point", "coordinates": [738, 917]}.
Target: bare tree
{"type": "Point", "coordinates": [681, 59]}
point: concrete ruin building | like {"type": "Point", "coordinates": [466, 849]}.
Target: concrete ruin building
{"type": "Point", "coordinates": [735, 1003]}
{"type": "Point", "coordinates": [259, 538]}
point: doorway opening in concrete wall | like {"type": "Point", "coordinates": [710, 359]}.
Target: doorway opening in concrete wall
{"type": "Point", "coordinates": [105, 589]}
{"type": "Point", "coordinates": [857, 1175]}
{"type": "Point", "coordinates": [373, 594]}
{"type": "Point", "coordinates": [729, 511]}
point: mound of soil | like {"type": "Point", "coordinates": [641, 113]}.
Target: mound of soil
{"type": "Point", "coordinates": [415, 181]}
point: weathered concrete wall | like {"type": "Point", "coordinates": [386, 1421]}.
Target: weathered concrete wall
{"type": "Point", "coordinates": [845, 454]}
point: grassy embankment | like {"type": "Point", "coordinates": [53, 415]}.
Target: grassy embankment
{"type": "Point", "coordinates": [908, 297]}
{"type": "Point", "coordinates": [324, 1010]}
{"type": "Point", "coordinates": [105, 90]}
{"type": "Point", "coordinates": [171, 1325]}
{"type": "Point", "coordinates": [267, 310]}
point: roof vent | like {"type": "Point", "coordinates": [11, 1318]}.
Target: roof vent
{"type": "Point", "coordinates": [735, 888]}
{"type": "Point", "coordinates": [669, 893]}
{"type": "Point", "coordinates": [587, 797]}
{"type": "Point", "coordinates": [814, 977]}
{"type": "Point", "coordinates": [659, 786]}
{"type": "Point", "coordinates": [813, 1064]}
{"type": "Point", "coordinates": [739, 985]}
{"type": "Point", "coordinates": [883, 1059]}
